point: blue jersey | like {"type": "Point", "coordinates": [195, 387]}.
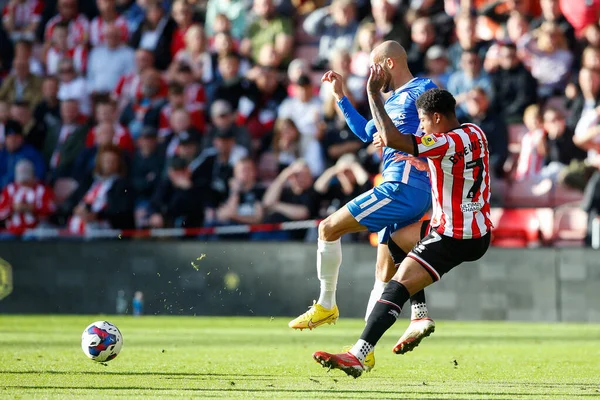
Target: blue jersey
{"type": "Point", "coordinates": [402, 109]}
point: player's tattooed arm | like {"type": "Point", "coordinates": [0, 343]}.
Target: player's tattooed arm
{"type": "Point", "coordinates": [387, 133]}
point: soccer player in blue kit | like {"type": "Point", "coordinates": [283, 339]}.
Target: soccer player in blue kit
{"type": "Point", "coordinates": [401, 200]}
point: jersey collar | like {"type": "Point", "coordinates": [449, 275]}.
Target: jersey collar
{"type": "Point", "coordinates": [401, 88]}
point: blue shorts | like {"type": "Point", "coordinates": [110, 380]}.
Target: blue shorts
{"type": "Point", "coordinates": [389, 207]}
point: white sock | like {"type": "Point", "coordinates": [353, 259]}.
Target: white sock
{"type": "Point", "coordinates": [418, 311]}
{"type": "Point", "coordinates": [329, 259]}
{"type": "Point", "coordinates": [376, 293]}
{"type": "Point", "coordinates": [361, 349]}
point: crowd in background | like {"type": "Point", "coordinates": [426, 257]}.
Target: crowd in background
{"type": "Point", "coordinates": [189, 113]}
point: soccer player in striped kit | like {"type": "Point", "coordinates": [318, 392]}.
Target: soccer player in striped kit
{"type": "Point", "coordinates": [401, 200]}
{"type": "Point", "coordinates": [460, 227]}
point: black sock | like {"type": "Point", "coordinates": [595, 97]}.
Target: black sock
{"type": "Point", "coordinates": [398, 255]}
{"type": "Point", "coordinates": [385, 312]}
{"type": "Point", "coordinates": [418, 298]}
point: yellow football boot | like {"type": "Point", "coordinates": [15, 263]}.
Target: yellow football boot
{"type": "Point", "coordinates": [314, 317]}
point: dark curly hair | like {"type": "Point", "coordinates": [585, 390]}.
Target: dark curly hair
{"type": "Point", "coordinates": [437, 101]}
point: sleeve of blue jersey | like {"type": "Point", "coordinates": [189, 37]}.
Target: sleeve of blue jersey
{"type": "Point", "coordinates": [356, 122]}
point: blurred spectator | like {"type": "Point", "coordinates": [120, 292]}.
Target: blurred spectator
{"type": "Point", "coordinates": [268, 28]}
{"type": "Point", "coordinates": [480, 113]}
{"type": "Point", "coordinates": [85, 161]}
{"type": "Point", "coordinates": [234, 10]}
{"type": "Point", "coordinates": [145, 109]}
{"type": "Point", "coordinates": [65, 141]}
{"type": "Point", "coordinates": [305, 110]}
{"type": "Point", "coordinates": [108, 201]}
{"type": "Point", "coordinates": [434, 10]}
{"type": "Point", "coordinates": [547, 55]}
{"type": "Point", "coordinates": [531, 156]}
{"type": "Point", "coordinates": [183, 15]}
{"type": "Point", "coordinates": [195, 55]}
{"type": "Point", "coordinates": [132, 12]}
{"type": "Point", "coordinates": [21, 112]}
{"type": "Point", "coordinates": [335, 25]}
{"type": "Point", "coordinates": [365, 42]}
{"type": "Point", "coordinates": [436, 66]}
{"type": "Point", "coordinates": [109, 16]}
{"type": "Point", "coordinates": [147, 168]}
{"type": "Point", "coordinates": [21, 18]}
{"type": "Point", "coordinates": [179, 198]}
{"type": "Point", "coordinates": [155, 33]}
{"type": "Point", "coordinates": [47, 112]}
{"type": "Point", "coordinates": [243, 206]}
{"type": "Point", "coordinates": [106, 113]}
{"type": "Point", "coordinates": [340, 61]}
{"type": "Point", "coordinates": [102, 76]}
{"type": "Point", "coordinates": [215, 166]}
{"type": "Point", "coordinates": [195, 96]}
{"type": "Point", "coordinates": [129, 87]}
{"type": "Point", "coordinates": [514, 87]}
{"type": "Point", "coordinates": [422, 34]}
{"type": "Point", "coordinates": [15, 150]}
{"type": "Point", "coordinates": [257, 113]}
{"type": "Point", "coordinates": [59, 49]}
{"type": "Point", "coordinates": [24, 51]}
{"type": "Point", "coordinates": [21, 84]}
{"type": "Point", "coordinates": [291, 197]}
{"type": "Point", "coordinates": [285, 148]}
{"type": "Point", "coordinates": [591, 36]}
{"type": "Point", "coordinates": [26, 202]}
{"type": "Point", "coordinates": [223, 118]}
{"type": "Point", "coordinates": [551, 12]}
{"type": "Point", "coordinates": [469, 76]}
{"type": "Point", "coordinates": [341, 183]}
{"type": "Point", "coordinates": [585, 112]}
{"type": "Point", "coordinates": [78, 24]}
{"type": "Point", "coordinates": [230, 86]}
{"type": "Point", "coordinates": [466, 40]}
{"type": "Point", "coordinates": [389, 22]}
{"type": "Point", "coordinates": [517, 29]}
{"type": "Point", "coordinates": [181, 127]}
{"type": "Point", "coordinates": [560, 149]}
{"type": "Point", "coordinates": [73, 87]}
{"type": "Point", "coordinates": [178, 101]}
{"type": "Point", "coordinates": [223, 44]}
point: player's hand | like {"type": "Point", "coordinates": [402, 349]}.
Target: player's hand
{"type": "Point", "coordinates": [378, 141]}
{"type": "Point", "coordinates": [337, 84]}
{"type": "Point", "coordinates": [376, 79]}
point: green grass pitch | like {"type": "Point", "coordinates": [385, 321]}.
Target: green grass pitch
{"type": "Point", "coordinates": [182, 357]}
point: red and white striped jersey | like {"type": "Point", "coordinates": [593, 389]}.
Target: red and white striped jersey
{"type": "Point", "coordinates": [97, 28]}
{"type": "Point", "coordinates": [195, 96]}
{"type": "Point", "coordinates": [23, 14]}
{"type": "Point", "coordinates": [78, 30]}
{"type": "Point", "coordinates": [78, 54]}
{"type": "Point", "coordinates": [460, 181]}
{"type": "Point", "coordinates": [121, 139]}
{"type": "Point", "coordinates": [39, 197]}
{"type": "Point", "coordinates": [531, 160]}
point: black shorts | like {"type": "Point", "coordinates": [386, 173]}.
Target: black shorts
{"type": "Point", "coordinates": [438, 254]}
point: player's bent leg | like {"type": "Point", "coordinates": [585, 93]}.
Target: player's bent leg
{"type": "Point", "coordinates": [410, 278]}
{"type": "Point", "coordinates": [329, 259]}
{"type": "Point", "coordinates": [421, 326]}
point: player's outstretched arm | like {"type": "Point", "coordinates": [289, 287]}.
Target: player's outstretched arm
{"type": "Point", "coordinates": [388, 134]}
{"type": "Point", "coordinates": [355, 121]}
